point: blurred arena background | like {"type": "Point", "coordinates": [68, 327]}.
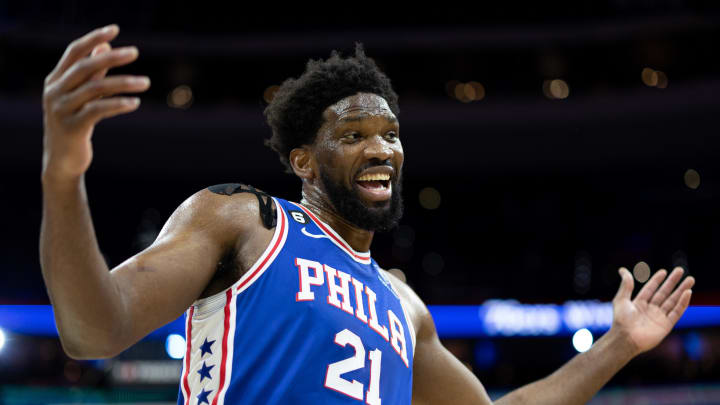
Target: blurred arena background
{"type": "Point", "coordinates": [546, 146]}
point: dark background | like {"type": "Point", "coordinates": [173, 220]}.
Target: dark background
{"type": "Point", "coordinates": [541, 199]}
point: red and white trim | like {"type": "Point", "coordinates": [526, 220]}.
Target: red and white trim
{"type": "Point", "coordinates": [222, 355]}
{"type": "Point", "coordinates": [213, 324]}
{"type": "Point", "coordinates": [230, 312]}
{"type": "Point", "coordinates": [274, 247]}
{"type": "Point", "coordinates": [186, 363]}
{"type": "Point", "coordinates": [360, 257]}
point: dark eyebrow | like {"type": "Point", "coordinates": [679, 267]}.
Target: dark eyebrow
{"type": "Point", "coordinates": [360, 117]}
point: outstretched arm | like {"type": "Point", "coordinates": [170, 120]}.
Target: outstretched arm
{"type": "Point", "coordinates": [100, 312]}
{"type": "Point", "coordinates": [638, 325]}
{"type": "Point", "coordinates": [76, 96]}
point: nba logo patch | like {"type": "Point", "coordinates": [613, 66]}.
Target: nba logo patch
{"type": "Point", "coordinates": [384, 280]}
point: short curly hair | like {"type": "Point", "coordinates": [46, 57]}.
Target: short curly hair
{"type": "Point", "coordinates": [295, 112]}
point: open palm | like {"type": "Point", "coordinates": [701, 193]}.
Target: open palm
{"type": "Point", "coordinates": [648, 318]}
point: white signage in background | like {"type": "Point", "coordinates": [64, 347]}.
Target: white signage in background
{"type": "Point", "coordinates": [146, 372]}
{"type": "Point", "coordinates": [511, 318]}
{"type": "Point", "coordinates": [587, 314]}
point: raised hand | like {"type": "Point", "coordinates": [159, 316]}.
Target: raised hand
{"type": "Point", "coordinates": [77, 95]}
{"type": "Point", "coordinates": [648, 318]}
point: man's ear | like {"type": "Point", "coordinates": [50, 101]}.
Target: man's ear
{"type": "Point", "coordinates": [301, 162]}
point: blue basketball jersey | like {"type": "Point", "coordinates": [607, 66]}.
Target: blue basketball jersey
{"type": "Point", "coordinates": [311, 322]}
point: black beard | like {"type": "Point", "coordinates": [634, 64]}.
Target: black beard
{"type": "Point", "coordinates": [348, 204]}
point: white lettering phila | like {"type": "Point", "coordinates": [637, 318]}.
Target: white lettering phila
{"type": "Point", "coordinates": [312, 273]}
{"type": "Point", "coordinates": [304, 266]}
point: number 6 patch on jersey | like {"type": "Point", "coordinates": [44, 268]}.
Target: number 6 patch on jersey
{"type": "Point", "coordinates": [299, 216]}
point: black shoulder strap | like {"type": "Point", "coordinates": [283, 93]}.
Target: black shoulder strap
{"type": "Point", "coordinates": [267, 214]}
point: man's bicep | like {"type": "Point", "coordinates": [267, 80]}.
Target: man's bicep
{"type": "Point", "coordinates": [161, 282]}
{"type": "Point", "coordinates": [438, 376]}
{"type": "Point", "coordinates": [158, 284]}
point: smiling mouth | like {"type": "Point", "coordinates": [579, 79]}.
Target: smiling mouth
{"type": "Point", "coordinates": [375, 187]}
{"type": "Point", "coordinates": [374, 181]}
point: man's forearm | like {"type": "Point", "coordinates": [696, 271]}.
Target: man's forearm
{"type": "Point", "coordinates": [580, 378]}
{"type": "Point", "coordinates": [84, 298]}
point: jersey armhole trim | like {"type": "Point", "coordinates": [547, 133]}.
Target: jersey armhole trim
{"type": "Point", "coordinates": [209, 305]}
{"type": "Point", "coordinates": [266, 259]}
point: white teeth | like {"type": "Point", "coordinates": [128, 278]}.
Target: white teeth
{"type": "Point", "coordinates": [372, 177]}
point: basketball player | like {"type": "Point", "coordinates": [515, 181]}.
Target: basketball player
{"type": "Point", "coordinates": [283, 302]}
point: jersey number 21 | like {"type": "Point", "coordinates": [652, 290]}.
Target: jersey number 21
{"type": "Point", "coordinates": [354, 388]}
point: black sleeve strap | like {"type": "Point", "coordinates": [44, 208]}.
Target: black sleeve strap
{"type": "Point", "coordinates": [267, 213]}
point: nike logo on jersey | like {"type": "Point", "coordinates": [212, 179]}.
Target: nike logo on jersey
{"type": "Point", "coordinates": [312, 235]}
{"type": "Point", "coordinates": [301, 218]}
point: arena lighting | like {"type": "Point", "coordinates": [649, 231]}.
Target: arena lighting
{"type": "Point", "coordinates": [495, 318]}
{"type": "Point", "coordinates": [2, 339]}
{"type": "Point", "coordinates": [38, 320]}
{"type": "Point", "coordinates": [479, 90]}
{"type": "Point", "coordinates": [460, 93]}
{"type": "Point", "coordinates": [556, 89]}
{"type": "Point", "coordinates": [649, 77]}
{"type": "Point", "coordinates": [465, 92]}
{"type": "Point", "coordinates": [430, 198]}
{"type": "Point", "coordinates": [582, 340]}
{"type": "Point", "coordinates": [559, 89]}
{"type": "Point", "coordinates": [175, 346]}
{"type": "Point", "coordinates": [180, 97]}
{"type": "Point", "coordinates": [692, 179]}
{"type": "Point", "coordinates": [694, 346]}
{"type": "Point", "coordinates": [469, 91]}
{"type": "Point", "coordinates": [641, 272]}
{"type": "Point", "coordinates": [654, 78]}
{"type": "Point", "coordinates": [508, 318]}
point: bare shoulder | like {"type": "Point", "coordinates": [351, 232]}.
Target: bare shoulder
{"type": "Point", "coordinates": [228, 217]}
{"type": "Point", "coordinates": [413, 304]}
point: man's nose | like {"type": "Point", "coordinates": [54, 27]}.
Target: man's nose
{"type": "Point", "coordinates": [378, 148]}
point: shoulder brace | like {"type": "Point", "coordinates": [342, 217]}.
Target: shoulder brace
{"type": "Point", "coordinates": [267, 214]}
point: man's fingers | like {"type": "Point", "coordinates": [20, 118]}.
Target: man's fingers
{"type": "Point", "coordinates": [680, 307]}
{"type": "Point", "coordinates": [667, 287]}
{"type": "Point", "coordinates": [626, 285]}
{"type": "Point", "coordinates": [97, 110]}
{"type": "Point", "coordinates": [102, 48]}
{"type": "Point", "coordinates": [108, 86]}
{"type": "Point", "coordinates": [81, 47]}
{"type": "Point", "coordinates": [651, 286]}
{"type": "Point", "coordinates": [83, 70]}
{"type": "Point", "coordinates": [672, 300]}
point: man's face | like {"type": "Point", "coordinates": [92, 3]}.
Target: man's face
{"type": "Point", "coordinates": [360, 158]}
